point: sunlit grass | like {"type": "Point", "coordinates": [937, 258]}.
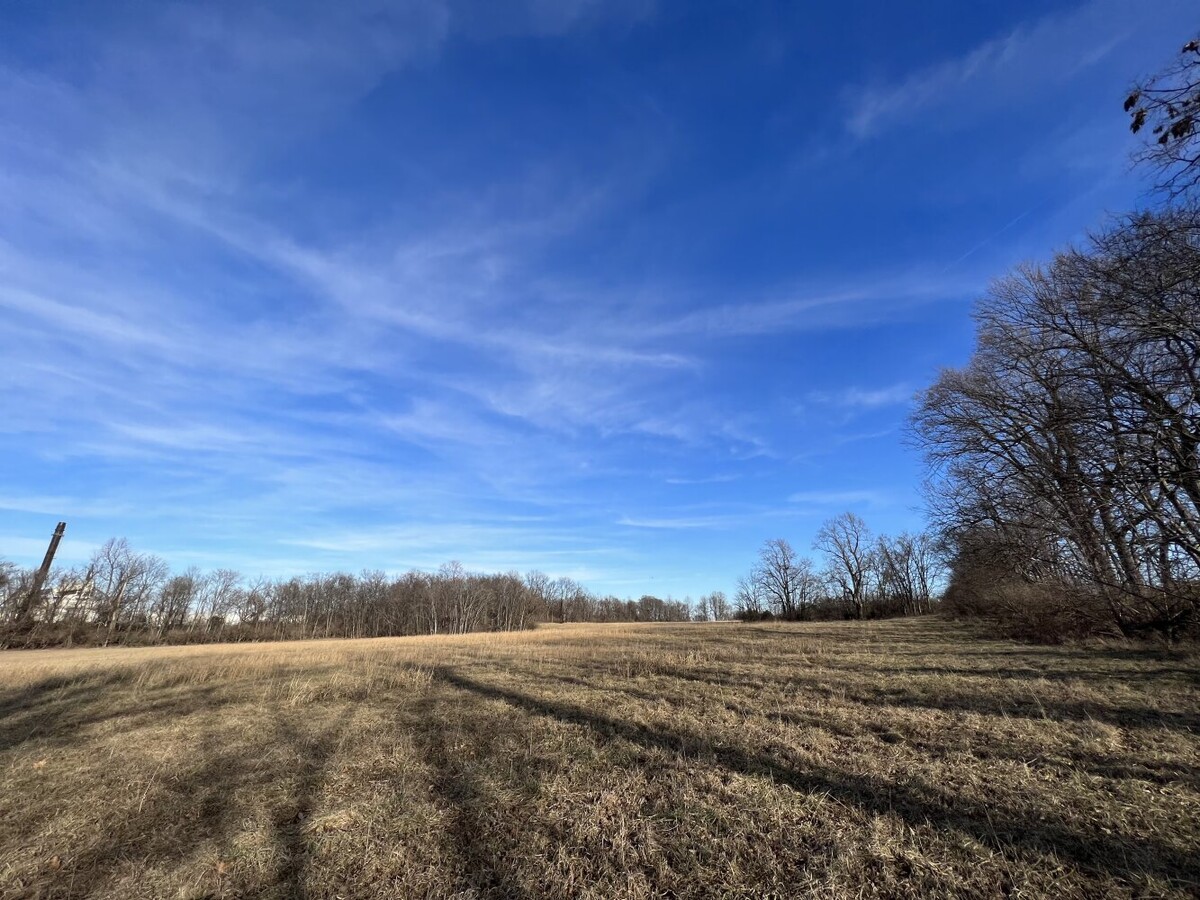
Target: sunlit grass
{"type": "Point", "coordinates": [830, 760]}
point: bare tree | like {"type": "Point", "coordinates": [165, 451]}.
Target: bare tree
{"type": "Point", "coordinates": [560, 593]}
{"type": "Point", "coordinates": [254, 603]}
{"type": "Point", "coordinates": [177, 600]}
{"type": "Point", "coordinates": [907, 567]}
{"type": "Point", "coordinates": [782, 580]}
{"type": "Point", "coordinates": [125, 583]}
{"type": "Point", "coordinates": [510, 601]}
{"type": "Point", "coordinates": [846, 542]}
{"type": "Point", "coordinates": [718, 606]}
{"type": "Point", "coordinates": [14, 585]}
{"type": "Point", "coordinates": [747, 600]}
{"type": "Point", "coordinates": [1072, 436]}
{"type": "Point", "coordinates": [218, 595]}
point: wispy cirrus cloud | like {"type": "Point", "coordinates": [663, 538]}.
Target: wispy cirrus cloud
{"type": "Point", "coordinates": [853, 302]}
{"type": "Point", "coordinates": [859, 398]}
{"type": "Point", "coordinates": [310, 285]}
{"type": "Point", "coordinates": [1032, 58]}
{"type": "Point", "coordinates": [707, 479]}
{"type": "Point", "coordinates": [675, 522]}
{"type": "Point", "coordinates": [874, 498]}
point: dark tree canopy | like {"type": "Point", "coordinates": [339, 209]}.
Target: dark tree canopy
{"type": "Point", "coordinates": [1067, 452]}
{"type": "Point", "coordinates": [1166, 107]}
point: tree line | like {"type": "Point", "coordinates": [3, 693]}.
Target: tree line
{"type": "Point", "coordinates": [860, 576]}
{"type": "Point", "coordinates": [122, 595]}
{"type": "Point", "coordinates": [1065, 456]}
{"type": "Point", "coordinates": [1066, 476]}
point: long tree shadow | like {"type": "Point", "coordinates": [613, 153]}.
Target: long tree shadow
{"type": "Point", "coordinates": [1033, 672]}
{"type": "Point", "coordinates": [486, 868]}
{"type": "Point", "coordinates": [182, 813]}
{"type": "Point", "coordinates": [983, 648]}
{"type": "Point", "coordinates": [575, 681]}
{"type": "Point", "coordinates": [53, 705]}
{"type": "Point", "coordinates": [58, 711]}
{"type": "Point", "coordinates": [1111, 766]}
{"type": "Point", "coordinates": [918, 804]}
{"type": "Point", "coordinates": [1038, 708]}
{"type": "Point", "coordinates": [190, 805]}
{"type": "Point", "coordinates": [1010, 706]}
{"type": "Point", "coordinates": [291, 821]}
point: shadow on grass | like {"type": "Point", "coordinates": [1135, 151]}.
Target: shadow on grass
{"type": "Point", "coordinates": [484, 858]}
{"type": "Point", "coordinates": [58, 708]}
{"type": "Point", "coordinates": [1037, 670]}
{"type": "Point", "coordinates": [1037, 708]}
{"type": "Point", "coordinates": [1113, 766]}
{"type": "Point", "coordinates": [57, 711]}
{"type": "Point", "coordinates": [154, 833]}
{"type": "Point", "coordinates": [986, 649]}
{"type": "Point", "coordinates": [291, 820]}
{"type": "Point", "coordinates": [916, 803]}
{"type": "Point", "coordinates": [942, 699]}
{"type": "Point", "coordinates": [181, 815]}
{"type": "Point", "coordinates": [50, 704]}
{"type": "Point", "coordinates": [188, 807]}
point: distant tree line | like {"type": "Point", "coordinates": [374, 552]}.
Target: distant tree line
{"type": "Point", "coordinates": [860, 576]}
{"type": "Point", "coordinates": [125, 596]}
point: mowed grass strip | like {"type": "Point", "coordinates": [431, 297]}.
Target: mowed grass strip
{"type": "Point", "coordinates": [887, 759]}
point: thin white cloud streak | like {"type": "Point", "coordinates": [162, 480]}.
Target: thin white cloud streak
{"type": "Point", "coordinates": [858, 398]}
{"type": "Point", "coordinates": [545, 17]}
{"type": "Point", "coordinates": [18, 546]}
{"type": "Point", "coordinates": [841, 498]}
{"type": "Point", "coordinates": [877, 108]}
{"type": "Point", "coordinates": [48, 505]}
{"type": "Point", "coordinates": [679, 522]}
{"type": "Point", "coordinates": [502, 545]}
{"type": "Point", "coordinates": [442, 538]}
{"type": "Point", "coordinates": [708, 479]}
{"type": "Point", "coordinates": [874, 300]}
{"type": "Point", "coordinates": [1033, 59]}
{"type": "Point", "coordinates": [738, 515]}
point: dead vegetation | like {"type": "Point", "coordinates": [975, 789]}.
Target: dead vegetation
{"type": "Point", "coordinates": [833, 760]}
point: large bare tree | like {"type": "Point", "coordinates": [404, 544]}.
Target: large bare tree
{"type": "Point", "coordinates": [782, 580]}
{"type": "Point", "coordinates": [849, 552]}
{"type": "Point", "coordinates": [1071, 437]}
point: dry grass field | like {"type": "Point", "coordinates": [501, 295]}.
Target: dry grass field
{"type": "Point", "coordinates": [891, 759]}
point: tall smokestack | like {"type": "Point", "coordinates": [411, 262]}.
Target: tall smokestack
{"type": "Point", "coordinates": [39, 579]}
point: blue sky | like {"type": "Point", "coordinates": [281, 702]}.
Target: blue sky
{"type": "Point", "coordinates": [615, 290]}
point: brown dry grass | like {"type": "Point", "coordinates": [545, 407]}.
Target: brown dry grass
{"type": "Point", "coordinates": [834, 760]}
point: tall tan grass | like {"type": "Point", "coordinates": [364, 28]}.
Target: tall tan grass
{"type": "Point", "coordinates": [831, 760]}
